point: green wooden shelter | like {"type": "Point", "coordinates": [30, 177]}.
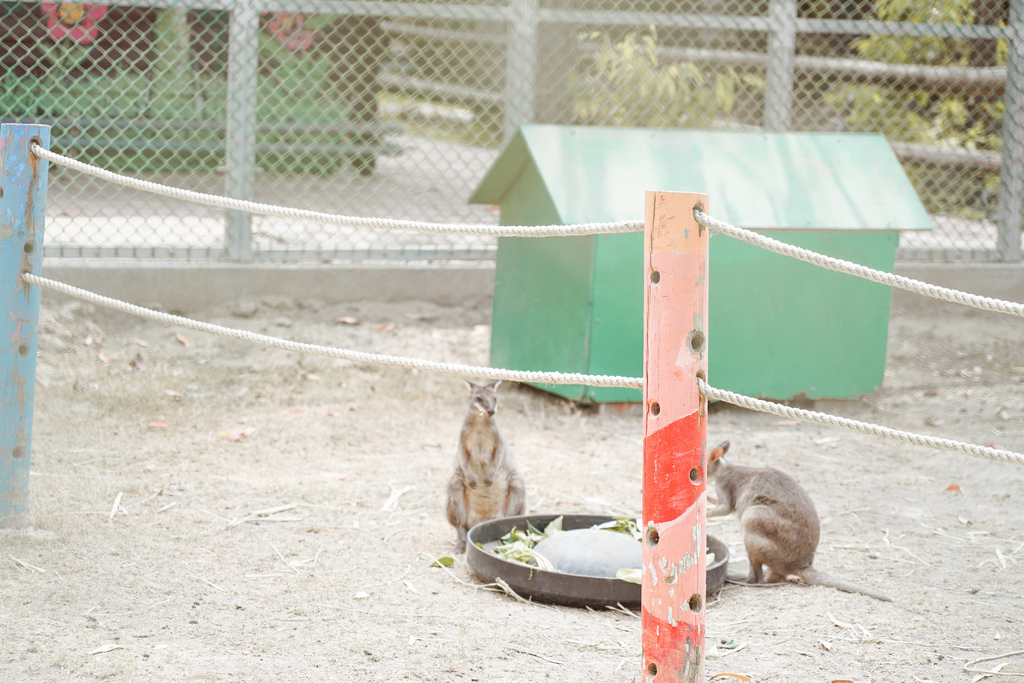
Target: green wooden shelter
{"type": "Point", "coordinates": [778, 327]}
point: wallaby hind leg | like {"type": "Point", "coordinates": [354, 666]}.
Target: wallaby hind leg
{"type": "Point", "coordinates": [460, 544]}
{"type": "Point", "coordinates": [457, 510]}
{"type": "Point", "coordinates": [756, 569]}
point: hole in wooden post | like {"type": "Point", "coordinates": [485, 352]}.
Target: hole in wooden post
{"type": "Point", "coordinates": [695, 602]}
{"type": "Point", "coordinates": [1, 193]}
{"type": "Point", "coordinates": [23, 350]}
{"type": "Point", "coordinates": [18, 452]}
{"type": "Point", "coordinates": [29, 247]}
{"type": "Point", "coordinates": [695, 476]}
{"type": "Point", "coordinates": [655, 277]}
{"type": "Point", "coordinates": [652, 669]}
{"type": "Point", "coordinates": [697, 340]}
{"type": "Point", "coordinates": [652, 537]}
{"type": "Point", "coordinates": [655, 409]}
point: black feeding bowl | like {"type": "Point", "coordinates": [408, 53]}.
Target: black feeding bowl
{"type": "Point", "coordinates": [587, 559]}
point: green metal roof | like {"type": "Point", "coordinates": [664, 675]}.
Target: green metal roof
{"type": "Point", "coordinates": [830, 181]}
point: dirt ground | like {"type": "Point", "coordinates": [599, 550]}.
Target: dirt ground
{"type": "Point", "coordinates": [145, 559]}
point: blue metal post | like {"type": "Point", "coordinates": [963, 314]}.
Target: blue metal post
{"type": "Point", "coordinates": [22, 213]}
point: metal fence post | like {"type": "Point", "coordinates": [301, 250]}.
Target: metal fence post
{"type": "Point", "coordinates": [22, 214]}
{"type": "Point", "coordinates": [675, 425]}
{"type": "Point", "coordinates": [240, 127]}
{"type": "Point", "coordinates": [521, 64]}
{"type": "Point", "coordinates": [778, 93]}
{"type": "Point", "coordinates": [1011, 185]}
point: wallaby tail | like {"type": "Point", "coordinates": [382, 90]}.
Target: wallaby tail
{"type": "Point", "coordinates": [813, 577]}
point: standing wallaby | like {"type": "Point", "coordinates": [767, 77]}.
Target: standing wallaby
{"type": "Point", "coordinates": [780, 525]}
{"type": "Point", "coordinates": [486, 483]}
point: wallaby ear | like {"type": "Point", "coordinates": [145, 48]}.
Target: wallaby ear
{"type": "Point", "coordinates": [494, 385]}
{"type": "Point", "coordinates": [718, 451]}
{"type": "Point", "coordinates": [470, 384]}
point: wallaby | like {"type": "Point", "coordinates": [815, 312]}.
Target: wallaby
{"type": "Point", "coordinates": [486, 483]}
{"type": "Point", "coordinates": [780, 525]}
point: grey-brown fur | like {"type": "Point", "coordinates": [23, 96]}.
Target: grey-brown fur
{"type": "Point", "coordinates": [486, 483]}
{"type": "Point", "coordinates": [780, 525]}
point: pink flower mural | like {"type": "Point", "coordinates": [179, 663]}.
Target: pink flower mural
{"type": "Point", "coordinates": [287, 28]}
{"type": "Point", "coordinates": [74, 20]}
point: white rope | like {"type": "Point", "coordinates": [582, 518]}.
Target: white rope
{"type": "Point", "coordinates": [335, 219]}
{"type": "Point", "coordinates": [344, 354]}
{"type": "Point", "coordinates": [841, 266]}
{"type": "Point", "coordinates": [858, 426]}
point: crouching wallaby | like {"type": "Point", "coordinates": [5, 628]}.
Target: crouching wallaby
{"type": "Point", "coordinates": [486, 483]}
{"type": "Point", "coordinates": [780, 525]}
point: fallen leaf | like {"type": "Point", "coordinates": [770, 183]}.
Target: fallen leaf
{"type": "Point", "coordinates": [443, 562]}
{"type": "Point", "coordinates": [103, 357]}
{"type": "Point", "coordinates": [181, 339]}
{"type": "Point", "coordinates": [345, 320]}
{"type": "Point", "coordinates": [173, 394]}
{"type": "Point", "coordinates": [311, 377]}
{"type": "Point", "coordinates": [739, 676]}
{"type": "Point", "coordinates": [141, 343]}
{"type": "Point", "coordinates": [158, 424]}
{"type": "Point", "coordinates": [236, 434]}
{"type": "Point", "coordinates": [295, 411]}
{"type": "Point", "coordinates": [953, 487]}
{"type": "Point", "coordinates": [785, 423]}
{"type": "Point", "coordinates": [106, 648]}
{"type": "Point", "coordinates": [387, 327]}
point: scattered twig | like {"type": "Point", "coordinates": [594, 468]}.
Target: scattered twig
{"type": "Point", "coordinates": [209, 583]}
{"type": "Point", "coordinates": [284, 560]}
{"type": "Point", "coordinates": [500, 582]}
{"type": "Point", "coordinates": [266, 513]}
{"type": "Point", "coordinates": [214, 514]}
{"type": "Point", "coordinates": [146, 500]}
{"type": "Point", "coordinates": [117, 504]}
{"type": "Point", "coordinates": [26, 565]}
{"type": "Point", "coordinates": [1015, 653]}
{"type": "Point", "coordinates": [378, 585]}
{"type": "Point", "coordinates": [619, 607]}
{"type": "Point", "coordinates": [167, 507]}
{"type": "Point", "coordinates": [391, 504]}
{"type": "Point", "coordinates": [534, 654]}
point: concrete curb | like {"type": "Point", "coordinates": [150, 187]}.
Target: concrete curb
{"type": "Point", "coordinates": [193, 286]}
{"type": "Point", "coordinates": [185, 286]}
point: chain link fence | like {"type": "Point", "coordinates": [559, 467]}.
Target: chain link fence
{"type": "Point", "coordinates": [397, 109]}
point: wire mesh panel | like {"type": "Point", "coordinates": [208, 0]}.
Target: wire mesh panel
{"type": "Point", "coordinates": [398, 109]}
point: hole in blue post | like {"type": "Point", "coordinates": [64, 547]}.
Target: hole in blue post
{"type": "Point", "coordinates": [29, 247]}
{"type": "Point", "coordinates": [23, 350]}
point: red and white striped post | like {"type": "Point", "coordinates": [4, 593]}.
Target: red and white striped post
{"type": "Point", "coordinates": [674, 493]}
